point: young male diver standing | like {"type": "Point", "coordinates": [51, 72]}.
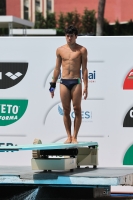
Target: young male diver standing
{"type": "Point", "coordinates": [71, 56]}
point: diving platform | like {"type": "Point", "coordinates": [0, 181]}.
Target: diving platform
{"type": "Point", "coordinates": [64, 166]}
{"type": "Point", "coordinates": [59, 156]}
{"type": "Point", "coordinates": [96, 182]}
{"type": "Point", "coordinates": [37, 145]}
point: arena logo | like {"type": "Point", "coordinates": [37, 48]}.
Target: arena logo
{"type": "Point", "coordinates": [11, 110]}
{"type": "Point", "coordinates": [128, 121]}
{"type": "Point", "coordinates": [86, 115]}
{"type": "Point", "coordinates": [128, 82]}
{"type": "Point", "coordinates": [91, 76]}
{"type": "Point", "coordinates": [11, 74]}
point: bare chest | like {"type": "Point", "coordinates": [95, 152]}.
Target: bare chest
{"type": "Point", "coordinates": [71, 55]}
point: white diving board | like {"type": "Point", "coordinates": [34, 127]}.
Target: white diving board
{"type": "Point", "coordinates": [50, 146]}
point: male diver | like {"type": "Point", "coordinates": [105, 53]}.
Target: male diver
{"type": "Point", "coordinates": [71, 56]}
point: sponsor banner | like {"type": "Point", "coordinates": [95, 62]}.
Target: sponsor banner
{"type": "Point", "coordinates": [109, 95]}
{"type": "Point", "coordinates": [91, 76]}
{"type": "Point", "coordinates": [127, 160]}
{"type": "Point", "coordinates": [86, 115]}
{"type": "Point", "coordinates": [128, 82]}
{"type": "Point", "coordinates": [11, 74]}
{"type": "Point", "coordinates": [96, 77]}
{"type": "Point", "coordinates": [128, 120]}
{"type": "Point", "coordinates": [92, 121]}
{"type": "Point", "coordinates": [11, 110]}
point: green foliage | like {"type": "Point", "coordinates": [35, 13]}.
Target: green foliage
{"type": "Point", "coordinates": [60, 32]}
{"type": "Point", "coordinates": [2, 7]}
{"type": "Point", "coordinates": [107, 29]}
{"type": "Point", "coordinates": [42, 23]}
{"type": "Point", "coordinates": [69, 19]}
{"type": "Point", "coordinates": [51, 20]}
{"type": "Point", "coordinates": [88, 21]}
{"type": "Point", "coordinates": [4, 32]}
{"type": "Point", "coordinates": [72, 18]}
{"type": "Point", "coordinates": [126, 29]}
{"type": "Point", "coordinates": [77, 20]}
{"type": "Point", "coordinates": [117, 28]}
{"type": "Point", "coordinates": [61, 22]}
{"type": "Point", "coordinates": [86, 24]}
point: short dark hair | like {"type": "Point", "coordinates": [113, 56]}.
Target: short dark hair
{"type": "Point", "coordinates": [71, 29]}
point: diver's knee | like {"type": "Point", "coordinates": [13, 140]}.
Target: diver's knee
{"type": "Point", "coordinates": [77, 110]}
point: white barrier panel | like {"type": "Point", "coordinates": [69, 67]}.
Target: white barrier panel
{"type": "Point", "coordinates": [28, 112]}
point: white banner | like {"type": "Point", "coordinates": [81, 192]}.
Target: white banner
{"type": "Point", "coordinates": [28, 112]}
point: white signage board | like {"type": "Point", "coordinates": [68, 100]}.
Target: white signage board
{"type": "Point", "coordinates": [28, 112]}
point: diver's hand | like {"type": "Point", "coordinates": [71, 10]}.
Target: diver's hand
{"type": "Point", "coordinates": [85, 93]}
{"type": "Point", "coordinates": [52, 94]}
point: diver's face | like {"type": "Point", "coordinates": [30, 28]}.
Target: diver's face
{"type": "Point", "coordinates": [71, 38]}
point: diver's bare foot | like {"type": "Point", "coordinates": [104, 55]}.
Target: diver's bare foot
{"type": "Point", "coordinates": [74, 141]}
{"type": "Point", "coordinates": [69, 140]}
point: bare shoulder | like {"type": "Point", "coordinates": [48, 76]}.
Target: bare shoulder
{"type": "Point", "coordinates": [82, 49]}
{"type": "Point", "coordinates": [59, 49]}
